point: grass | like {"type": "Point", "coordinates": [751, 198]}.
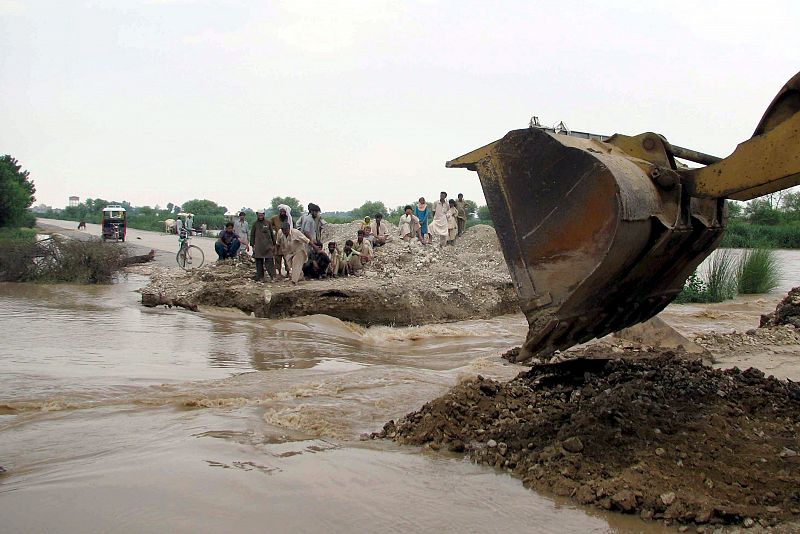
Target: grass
{"type": "Point", "coordinates": [17, 234]}
{"type": "Point", "coordinates": [757, 271]}
{"type": "Point", "coordinates": [25, 259]}
{"type": "Point", "coordinates": [718, 281]}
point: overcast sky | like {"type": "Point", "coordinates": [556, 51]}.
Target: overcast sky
{"type": "Point", "coordinates": [340, 102]}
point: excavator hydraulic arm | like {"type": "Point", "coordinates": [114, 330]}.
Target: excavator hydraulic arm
{"type": "Point", "coordinates": [600, 233]}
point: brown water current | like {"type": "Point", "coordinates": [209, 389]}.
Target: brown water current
{"type": "Point", "coordinates": [131, 419]}
{"type": "Point", "coordinates": [117, 417]}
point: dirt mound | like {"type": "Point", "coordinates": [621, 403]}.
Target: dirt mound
{"type": "Point", "coordinates": [659, 435]}
{"type": "Point", "coordinates": [786, 313]}
{"type": "Point", "coordinates": [405, 284]}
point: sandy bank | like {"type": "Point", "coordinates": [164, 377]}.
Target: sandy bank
{"type": "Point", "coordinates": [405, 284]}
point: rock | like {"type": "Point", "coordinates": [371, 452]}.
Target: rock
{"type": "Point", "coordinates": [625, 500]}
{"type": "Point", "coordinates": [502, 448]}
{"type": "Point", "coordinates": [748, 522]}
{"type": "Point", "coordinates": [491, 444]}
{"type": "Point", "coordinates": [573, 444]}
{"type": "Point", "coordinates": [667, 498]}
{"type": "Point", "coordinates": [585, 494]}
{"type": "Point", "coordinates": [787, 453]}
{"type": "Point", "coordinates": [457, 446]}
{"type": "Point", "coordinates": [660, 451]}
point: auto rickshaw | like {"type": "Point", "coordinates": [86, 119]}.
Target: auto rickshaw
{"type": "Point", "coordinates": [114, 224]}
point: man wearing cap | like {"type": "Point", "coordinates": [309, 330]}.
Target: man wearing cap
{"type": "Point", "coordinates": [263, 239]}
{"type": "Point", "coordinates": [242, 230]}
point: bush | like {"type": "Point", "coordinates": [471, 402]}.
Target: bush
{"type": "Point", "coordinates": [694, 290]}
{"type": "Point", "coordinates": [746, 235]}
{"type": "Point", "coordinates": [25, 259]}
{"type": "Point", "coordinates": [718, 283]}
{"type": "Point", "coordinates": [757, 271]}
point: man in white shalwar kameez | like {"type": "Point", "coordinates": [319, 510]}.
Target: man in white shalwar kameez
{"type": "Point", "coordinates": [439, 227]}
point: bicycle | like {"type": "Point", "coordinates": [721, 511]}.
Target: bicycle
{"type": "Point", "coordinates": [189, 256]}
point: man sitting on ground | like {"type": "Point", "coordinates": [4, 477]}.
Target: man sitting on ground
{"type": "Point", "coordinates": [335, 258]}
{"type": "Point", "coordinates": [317, 264]}
{"type": "Point", "coordinates": [351, 259]}
{"type": "Point", "coordinates": [379, 230]}
{"type": "Point", "coordinates": [363, 247]}
{"type": "Point", "coordinates": [228, 243]}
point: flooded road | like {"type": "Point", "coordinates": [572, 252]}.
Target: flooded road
{"type": "Point", "coordinates": [118, 417]}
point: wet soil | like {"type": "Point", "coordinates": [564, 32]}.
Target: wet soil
{"type": "Point", "coordinates": [786, 313]}
{"type": "Point", "coordinates": [656, 433]}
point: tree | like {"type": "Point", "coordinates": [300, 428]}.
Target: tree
{"type": "Point", "coordinates": [483, 213]}
{"type": "Point", "coordinates": [761, 211]}
{"type": "Point", "coordinates": [471, 207]}
{"type": "Point", "coordinates": [170, 206]}
{"type": "Point", "coordinates": [16, 192]}
{"type": "Point", "coordinates": [203, 207]}
{"type": "Point", "coordinates": [369, 209]}
{"type": "Point", "coordinates": [398, 211]}
{"type": "Point", "coordinates": [791, 203]}
{"type": "Point", "coordinates": [293, 203]}
{"type": "Point", "coordinates": [735, 209]}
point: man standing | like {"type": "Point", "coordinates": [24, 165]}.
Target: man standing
{"type": "Point", "coordinates": [379, 230]}
{"type": "Point", "coordinates": [295, 247]}
{"type": "Point", "coordinates": [461, 206]}
{"type": "Point", "coordinates": [311, 223]}
{"type": "Point", "coordinates": [228, 243]}
{"type": "Point", "coordinates": [284, 215]}
{"type": "Point", "coordinates": [439, 229]}
{"type": "Point", "coordinates": [263, 239]}
{"type": "Point", "coordinates": [242, 230]}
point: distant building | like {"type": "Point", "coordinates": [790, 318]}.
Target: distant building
{"type": "Point", "coordinates": [74, 201]}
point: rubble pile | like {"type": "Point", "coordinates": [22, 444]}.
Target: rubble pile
{"type": "Point", "coordinates": [757, 337]}
{"type": "Point", "coordinates": [786, 313]}
{"type": "Point", "coordinates": [407, 283]}
{"type": "Point", "coordinates": [657, 435]}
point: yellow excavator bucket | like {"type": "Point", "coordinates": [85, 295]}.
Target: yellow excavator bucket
{"type": "Point", "coordinates": [600, 233]}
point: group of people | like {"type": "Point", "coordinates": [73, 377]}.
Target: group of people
{"type": "Point", "coordinates": [281, 248]}
{"type": "Point", "coordinates": [449, 219]}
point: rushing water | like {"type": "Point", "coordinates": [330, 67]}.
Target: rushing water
{"type": "Point", "coordinates": [118, 417]}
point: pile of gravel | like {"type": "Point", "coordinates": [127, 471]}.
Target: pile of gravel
{"type": "Point", "coordinates": [658, 435]}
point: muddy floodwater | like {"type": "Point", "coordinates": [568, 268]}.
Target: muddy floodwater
{"type": "Point", "coordinates": [115, 417]}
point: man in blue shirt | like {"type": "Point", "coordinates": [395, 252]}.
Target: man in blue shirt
{"type": "Point", "coordinates": [228, 243]}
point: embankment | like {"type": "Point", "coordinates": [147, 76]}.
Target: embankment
{"type": "Point", "coordinates": [405, 284]}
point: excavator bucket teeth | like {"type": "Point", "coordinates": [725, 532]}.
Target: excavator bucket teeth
{"type": "Point", "coordinates": [593, 242]}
